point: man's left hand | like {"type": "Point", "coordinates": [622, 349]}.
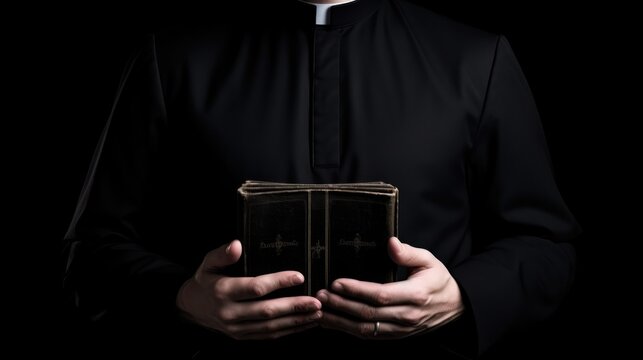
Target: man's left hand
{"type": "Point", "coordinates": [429, 298]}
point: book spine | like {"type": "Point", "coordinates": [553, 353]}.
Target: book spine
{"type": "Point", "coordinates": [317, 241]}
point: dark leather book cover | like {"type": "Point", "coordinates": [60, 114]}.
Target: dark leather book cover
{"type": "Point", "coordinates": [324, 231]}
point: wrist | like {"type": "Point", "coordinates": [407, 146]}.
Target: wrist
{"type": "Point", "coordinates": [455, 297]}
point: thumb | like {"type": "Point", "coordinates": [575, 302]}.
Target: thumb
{"type": "Point", "coordinates": [409, 256]}
{"type": "Point", "coordinates": [224, 255]}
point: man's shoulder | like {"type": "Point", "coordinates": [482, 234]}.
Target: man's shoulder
{"type": "Point", "coordinates": [192, 46]}
{"type": "Point", "coordinates": [435, 31]}
{"type": "Point", "coordinates": [187, 38]}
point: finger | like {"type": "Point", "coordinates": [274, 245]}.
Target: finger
{"type": "Point", "coordinates": [409, 256]}
{"type": "Point", "coordinates": [244, 288]}
{"type": "Point", "coordinates": [400, 314]}
{"type": "Point", "coordinates": [405, 292]}
{"type": "Point", "coordinates": [277, 334]}
{"type": "Point", "coordinates": [365, 330]}
{"type": "Point", "coordinates": [224, 255]}
{"type": "Point", "coordinates": [273, 325]}
{"type": "Point", "coordinates": [273, 308]}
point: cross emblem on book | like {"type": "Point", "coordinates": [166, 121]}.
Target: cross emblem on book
{"type": "Point", "coordinates": [317, 249]}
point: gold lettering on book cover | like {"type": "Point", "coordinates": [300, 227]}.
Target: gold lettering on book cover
{"type": "Point", "coordinates": [278, 244]}
{"type": "Point", "coordinates": [357, 243]}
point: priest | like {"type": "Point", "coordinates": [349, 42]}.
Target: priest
{"type": "Point", "coordinates": [321, 92]}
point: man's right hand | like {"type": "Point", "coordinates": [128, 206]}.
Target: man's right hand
{"type": "Point", "coordinates": [225, 303]}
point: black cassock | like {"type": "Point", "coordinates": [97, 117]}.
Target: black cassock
{"type": "Point", "coordinates": [388, 91]}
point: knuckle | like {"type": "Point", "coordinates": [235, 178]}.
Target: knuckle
{"type": "Point", "coordinates": [425, 252]}
{"type": "Point", "coordinates": [422, 254]}
{"type": "Point", "coordinates": [332, 301]}
{"type": "Point", "coordinates": [419, 297]}
{"type": "Point", "coordinates": [300, 307]}
{"type": "Point", "coordinates": [268, 312]}
{"type": "Point", "coordinates": [429, 299]}
{"type": "Point", "coordinates": [365, 329]}
{"type": "Point", "coordinates": [382, 298]}
{"type": "Point", "coordinates": [231, 330]}
{"type": "Point", "coordinates": [412, 318]}
{"type": "Point", "coordinates": [306, 319]}
{"type": "Point", "coordinates": [218, 290]}
{"type": "Point", "coordinates": [283, 282]}
{"type": "Point", "coordinates": [270, 327]}
{"type": "Point", "coordinates": [257, 289]}
{"type": "Point", "coordinates": [225, 315]}
{"type": "Point", "coordinates": [367, 312]}
{"type": "Point", "coordinates": [300, 320]}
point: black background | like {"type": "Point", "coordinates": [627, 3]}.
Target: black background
{"type": "Point", "coordinates": [564, 53]}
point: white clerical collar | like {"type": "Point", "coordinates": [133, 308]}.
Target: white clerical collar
{"type": "Point", "coordinates": [323, 15]}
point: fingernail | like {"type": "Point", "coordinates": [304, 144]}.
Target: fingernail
{"type": "Point", "coordinates": [337, 286]}
{"type": "Point", "coordinates": [227, 249]}
{"type": "Point", "coordinates": [321, 296]}
{"type": "Point", "coordinates": [297, 279]}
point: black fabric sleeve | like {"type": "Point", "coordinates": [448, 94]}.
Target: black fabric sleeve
{"type": "Point", "coordinates": [523, 265]}
{"type": "Point", "coordinates": [109, 268]}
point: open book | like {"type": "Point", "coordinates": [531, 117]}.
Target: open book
{"type": "Point", "coordinates": [324, 231]}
